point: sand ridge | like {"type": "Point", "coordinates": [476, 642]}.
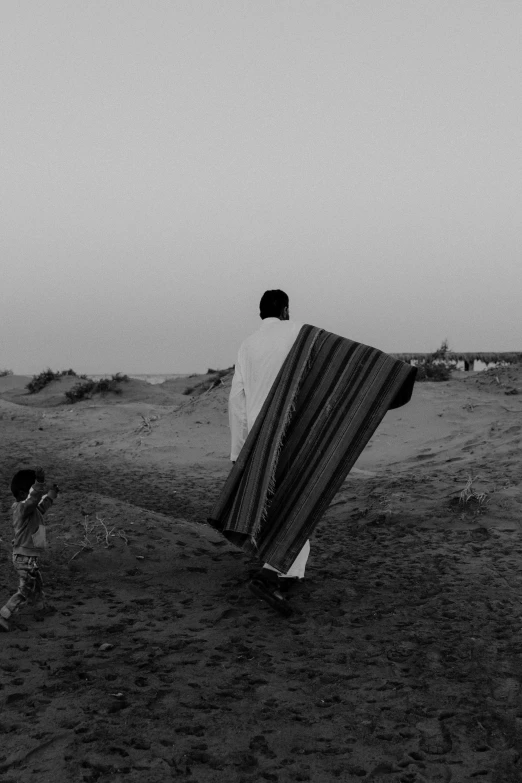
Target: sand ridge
{"type": "Point", "coordinates": [158, 664]}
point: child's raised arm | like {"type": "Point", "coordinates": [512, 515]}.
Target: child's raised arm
{"type": "Point", "coordinates": [47, 501]}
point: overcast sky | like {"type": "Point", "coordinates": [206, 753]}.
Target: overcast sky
{"type": "Point", "coordinates": [162, 163]}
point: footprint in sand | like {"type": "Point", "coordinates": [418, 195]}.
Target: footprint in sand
{"type": "Point", "coordinates": [411, 777]}
{"type": "Point", "coordinates": [434, 660]}
{"type": "Point", "coordinates": [400, 652]}
{"type": "Point", "coordinates": [505, 690]}
{"type": "Point", "coordinates": [435, 738]}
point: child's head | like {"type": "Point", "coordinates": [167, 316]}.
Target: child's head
{"type": "Point", "coordinates": [22, 482]}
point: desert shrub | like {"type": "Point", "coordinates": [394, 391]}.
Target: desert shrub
{"type": "Point", "coordinates": [437, 366]}
{"type": "Point", "coordinates": [80, 391]}
{"type": "Point", "coordinates": [220, 373]}
{"type": "Point", "coordinates": [3, 373]}
{"type": "Point", "coordinates": [105, 385]}
{"type": "Point", "coordinates": [428, 371]}
{"type": "Point", "coordinates": [40, 381]}
{"type": "Point", "coordinates": [442, 352]}
{"type": "Point", "coordinates": [85, 390]}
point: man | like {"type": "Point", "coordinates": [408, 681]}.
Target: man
{"type": "Point", "coordinates": [303, 405]}
{"type": "Point", "coordinates": [259, 360]}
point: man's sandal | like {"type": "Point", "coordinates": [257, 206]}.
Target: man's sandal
{"type": "Point", "coordinates": [271, 595]}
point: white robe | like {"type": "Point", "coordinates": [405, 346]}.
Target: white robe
{"type": "Point", "coordinates": [259, 360]}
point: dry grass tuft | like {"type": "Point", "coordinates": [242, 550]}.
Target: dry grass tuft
{"type": "Point", "coordinates": [95, 534]}
{"type": "Point", "coordinates": [145, 428]}
{"type": "Point", "coordinates": [469, 494]}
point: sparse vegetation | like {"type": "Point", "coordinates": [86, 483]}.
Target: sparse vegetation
{"type": "Point", "coordinates": [39, 382]}
{"type": "Point", "coordinates": [437, 366]}
{"type": "Point", "coordinates": [145, 428]}
{"type": "Point", "coordinates": [85, 390]}
{"type": "Point", "coordinates": [209, 383]}
{"type": "Point", "coordinates": [3, 373]}
{"type": "Point", "coordinates": [81, 391]}
{"type": "Point", "coordinates": [469, 493]}
{"type": "Point", "coordinates": [95, 534]}
{"type": "Point", "coordinates": [428, 371]}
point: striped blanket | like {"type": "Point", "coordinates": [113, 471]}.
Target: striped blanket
{"type": "Point", "coordinates": [325, 404]}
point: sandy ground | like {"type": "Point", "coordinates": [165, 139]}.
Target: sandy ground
{"type": "Point", "coordinates": [156, 663]}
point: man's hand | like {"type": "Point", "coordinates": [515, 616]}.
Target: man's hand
{"type": "Point", "coordinates": [53, 491]}
{"type": "Point", "coordinates": [40, 475]}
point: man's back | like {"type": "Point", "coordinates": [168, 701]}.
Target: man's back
{"type": "Point", "coordinates": [259, 360]}
{"type": "Point", "coordinates": [261, 356]}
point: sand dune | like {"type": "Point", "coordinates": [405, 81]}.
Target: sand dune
{"type": "Point", "coordinates": [157, 663]}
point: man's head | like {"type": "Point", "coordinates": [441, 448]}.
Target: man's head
{"type": "Point", "coordinates": [22, 482]}
{"type": "Point", "coordinates": [274, 304]}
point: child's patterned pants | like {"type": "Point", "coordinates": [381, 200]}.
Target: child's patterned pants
{"type": "Point", "coordinates": [30, 586]}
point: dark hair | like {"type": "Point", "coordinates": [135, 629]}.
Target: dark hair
{"type": "Point", "coordinates": [22, 481]}
{"type": "Point", "coordinates": [273, 303]}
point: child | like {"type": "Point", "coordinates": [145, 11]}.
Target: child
{"type": "Point", "coordinates": [29, 538]}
